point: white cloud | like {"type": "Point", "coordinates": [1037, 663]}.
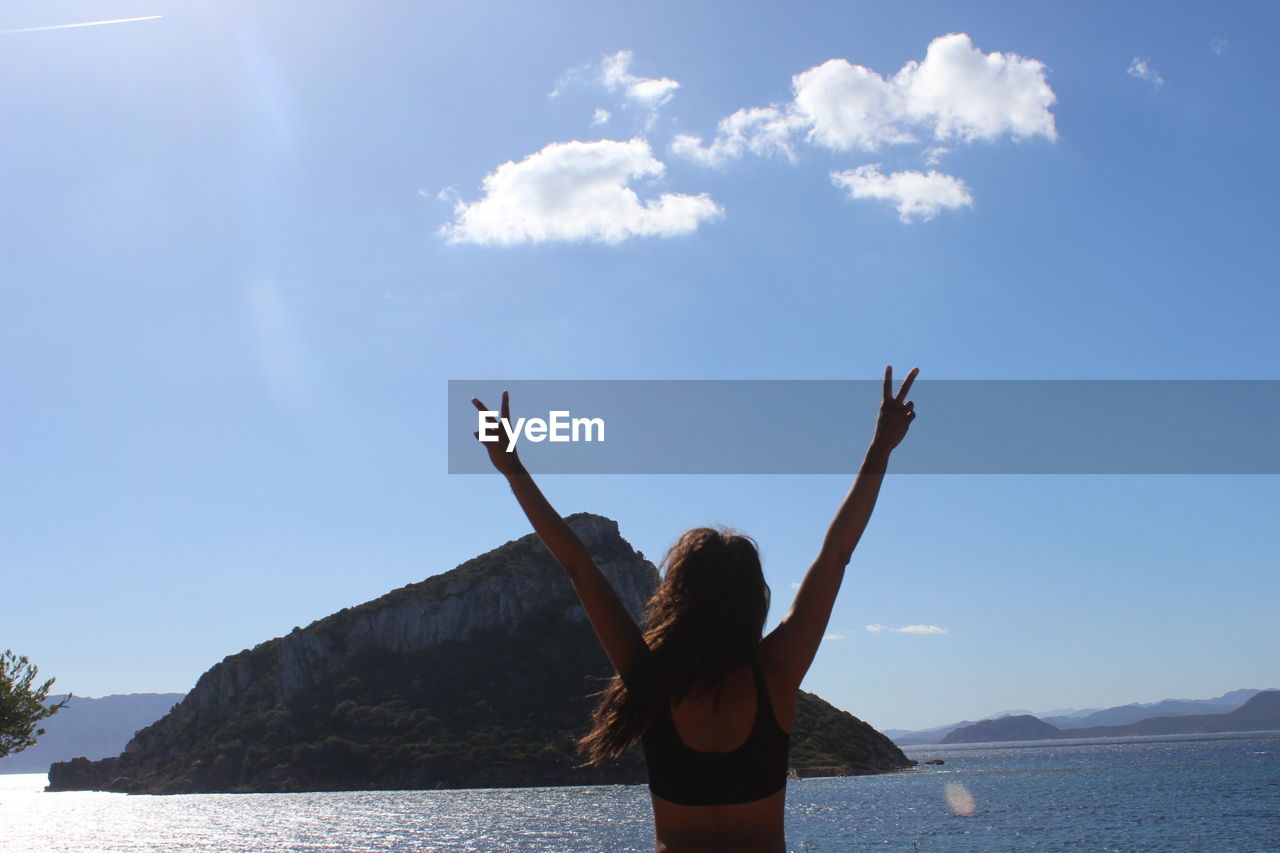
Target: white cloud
{"type": "Point", "coordinates": [600, 116]}
{"type": "Point", "coordinates": [834, 637]}
{"type": "Point", "coordinates": [848, 106]}
{"type": "Point", "coordinates": [917, 195]}
{"type": "Point", "coordinates": [571, 78]}
{"type": "Point", "coordinates": [1217, 46]}
{"type": "Point", "coordinates": [908, 629]}
{"type": "Point", "coordinates": [969, 95]}
{"type": "Point", "coordinates": [648, 92]}
{"type": "Point", "coordinates": [761, 130]}
{"type": "Point", "coordinates": [956, 94]}
{"type": "Point", "coordinates": [576, 191]}
{"type": "Point", "coordinates": [1141, 68]}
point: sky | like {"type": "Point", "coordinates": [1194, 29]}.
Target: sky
{"type": "Point", "coordinates": [244, 248]}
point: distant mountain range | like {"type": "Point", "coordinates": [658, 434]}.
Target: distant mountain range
{"type": "Point", "coordinates": [1132, 713]}
{"type": "Point", "coordinates": [1070, 718]}
{"type": "Point", "coordinates": [93, 728]}
{"type": "Point", "coordinates": [1260, 713]}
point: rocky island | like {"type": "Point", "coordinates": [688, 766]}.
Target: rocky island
{"type": "Point", "coordinates": [1016, 727]}
{"type": "Point", "coordinates": [478, 677]}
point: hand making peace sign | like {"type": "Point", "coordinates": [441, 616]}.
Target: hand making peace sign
{"type": "Point", "coordinates": [896, 413]}
{"type": "Point", "coordinates": [501, 453]}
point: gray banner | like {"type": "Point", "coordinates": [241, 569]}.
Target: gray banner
{"type": "Point", "coordinates": [823, 426]}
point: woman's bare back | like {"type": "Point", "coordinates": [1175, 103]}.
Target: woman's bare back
{"type": "Point", "coordinates": [719, 718]}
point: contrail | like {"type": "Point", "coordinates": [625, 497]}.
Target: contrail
{"type": "Point", "coordinates": [81, 24]}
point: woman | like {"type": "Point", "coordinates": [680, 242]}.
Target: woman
{"type": "Point", "coordinates": [712, 702]}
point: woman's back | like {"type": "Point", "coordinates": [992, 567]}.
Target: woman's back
{"type": "Point", "coordinates": [718, 764]}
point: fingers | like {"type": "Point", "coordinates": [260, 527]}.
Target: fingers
{"type": "Point", "coordinates": [505, 413]}
{"type": "Point", "coordinates": [906, 384]}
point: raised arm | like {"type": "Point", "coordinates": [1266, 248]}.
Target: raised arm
{"type": "Point", "coordinates": [792, 645]}
{"type": "Point", "coordinates": [615, 628]}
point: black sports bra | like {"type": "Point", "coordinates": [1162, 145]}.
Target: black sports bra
{"type": "Point", "coordinates": [689, 777]}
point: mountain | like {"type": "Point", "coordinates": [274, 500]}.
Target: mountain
{"type": "Point", "coordinates": [1016, 727]}
{"type": "Point", "coordinates": [91, 727]}
{"type": "Point", "coordinates": [1260, 713]}
{"type": "Point", "coordinates": [903, 737]}
{"type": "Point", "coordinates": [1125, 714]}
{"type": "Point", "coordinates": [1070, 718]}
{"type": "Point", "coordinates": [1068, 713]}
{"type": "Point", "coordinates": [478, 677]}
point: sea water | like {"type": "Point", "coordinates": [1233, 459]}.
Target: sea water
{"type": "Point", "coordinates": [1177, 793]}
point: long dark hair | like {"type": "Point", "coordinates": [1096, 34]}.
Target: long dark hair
{"type": "Point", "coordinates": [706, 616]}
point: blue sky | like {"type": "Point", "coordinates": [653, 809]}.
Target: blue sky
{"type": "Point", "coordinates": [244, 249]}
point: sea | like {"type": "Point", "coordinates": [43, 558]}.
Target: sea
{"type": "Point", "coordinates": [1167, 794]}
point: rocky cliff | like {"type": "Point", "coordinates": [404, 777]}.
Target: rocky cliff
{"type": "Point", "coordinates": [512, 586]}
{"type": "Point", "coordinates": [477, 677]}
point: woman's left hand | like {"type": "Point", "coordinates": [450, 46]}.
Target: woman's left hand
{"type": "Point", "coordinates": [896, 411]}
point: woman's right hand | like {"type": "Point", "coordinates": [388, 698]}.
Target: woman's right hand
{"type": "Point", "coordinates": [896, 412]}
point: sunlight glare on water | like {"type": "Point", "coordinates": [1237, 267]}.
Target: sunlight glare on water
{"type": "Point", "coordinates": [1183, 794]}
{"type": "Point", "coordinates": [474, 820]}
